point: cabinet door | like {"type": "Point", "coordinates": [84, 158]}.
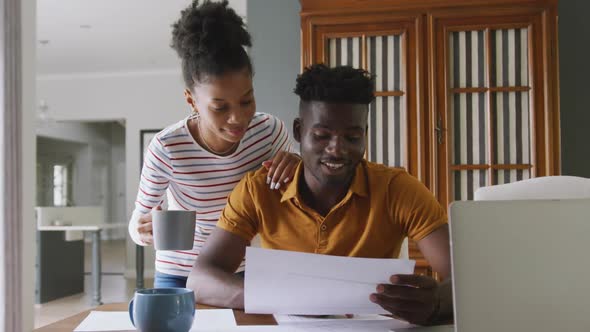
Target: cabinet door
{"type": "Point", "coordinates": [389, 51]}
{"type": "Point", "coordinates": [491, 117]}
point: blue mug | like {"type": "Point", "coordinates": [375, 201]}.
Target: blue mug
{"type": "Point", "coordinates": [163, 309]}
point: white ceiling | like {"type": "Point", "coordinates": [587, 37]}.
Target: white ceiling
{"type": "Point", "coordinates": [124, 35]}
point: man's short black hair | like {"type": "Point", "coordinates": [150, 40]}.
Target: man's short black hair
{"type": "Point", "coordinates": [210, 39]}
{"type": "Point", "coordinates": [342, 84]}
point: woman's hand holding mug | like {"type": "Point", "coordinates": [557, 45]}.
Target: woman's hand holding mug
{"type": "Point", "coordinates": [144, 227]}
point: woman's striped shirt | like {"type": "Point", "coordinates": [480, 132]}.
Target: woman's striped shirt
{"type": "Point", "coordinates": [195, 179]}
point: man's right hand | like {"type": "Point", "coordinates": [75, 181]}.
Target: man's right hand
{"type": "Point", "coordinates": [144, 227]}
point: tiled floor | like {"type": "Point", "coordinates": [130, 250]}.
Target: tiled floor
{"type": "Point", "coordinates": [115, 288]}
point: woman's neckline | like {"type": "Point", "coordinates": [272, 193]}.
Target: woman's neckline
{"type": "Point", "coordinates": [204, 149]}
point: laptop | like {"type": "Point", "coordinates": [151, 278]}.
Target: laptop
{"type": "Point", "coordinates": [521, 265]}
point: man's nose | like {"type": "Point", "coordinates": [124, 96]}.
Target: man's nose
{"type": "Point", "coordinates": [336, 146]}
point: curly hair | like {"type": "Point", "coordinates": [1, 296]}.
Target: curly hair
{"type": "Point", "coordinates": [210, 41]}
{"type": "Point", "coordinates": [342, 84]}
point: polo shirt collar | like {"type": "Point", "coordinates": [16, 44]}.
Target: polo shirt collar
{"type": "Point", "coordinates": [358, 186]}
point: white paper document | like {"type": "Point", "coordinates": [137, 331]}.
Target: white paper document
{"type": "Point", "coordinates": [338, 326]}
{"type": "Point", "coordinates": [287, 282]}
{"type": "Point", "coordinates": [98, 321]}
{"type": "Point", "coordinates": [212, 319]}
{"type": "Point", "coordinates": [296, 319]}
{"type": "Point", "coordinates": [341, 322]}
{"type": "Point", "coordinates": [205, 320]}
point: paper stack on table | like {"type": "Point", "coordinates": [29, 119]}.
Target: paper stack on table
{"type": "Point", "coordinates": [287, 282]}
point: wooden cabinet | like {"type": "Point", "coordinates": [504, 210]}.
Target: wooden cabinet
{"type": "Point", "coordinates": [466, 91]}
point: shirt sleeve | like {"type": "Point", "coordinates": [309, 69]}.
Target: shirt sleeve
{"type": "Point", "coordinates": [414, 207]}
{"type": "Point", "coordinates": [280, 137]}
{"type": "Point", "coordinates": [155, 177]}
{"type": "Point", "coordinates": [239, 216]}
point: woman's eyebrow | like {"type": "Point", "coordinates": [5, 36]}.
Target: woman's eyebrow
{"type": "Point", "coordinates": [245, 94]}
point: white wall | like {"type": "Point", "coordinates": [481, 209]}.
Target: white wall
{"type": "Point", "coordinates": [276, 53]}
{"type": "Point", "coordinates": [147, 100]}
{"type": "Point", "coordinates": [69, 131]}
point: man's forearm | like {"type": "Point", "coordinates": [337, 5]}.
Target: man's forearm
{"type": "Point", "coordinates": [216, 287]}
{"type": "Point", "coordinates": [445, 306]}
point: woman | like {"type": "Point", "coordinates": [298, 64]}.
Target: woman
{"type": "Point", "coordinates": [198, 160]}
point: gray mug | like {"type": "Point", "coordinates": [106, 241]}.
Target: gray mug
{"type": "Point", "coordinates": [163, 310]}
{"type": "Point", "coordinates": [173, 229]}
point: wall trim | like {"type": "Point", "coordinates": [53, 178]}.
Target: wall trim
{"type": "Point", "coordinates": [11, 229]}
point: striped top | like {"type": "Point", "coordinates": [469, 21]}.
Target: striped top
{"type": "Point", "coordinates": [196, 179]}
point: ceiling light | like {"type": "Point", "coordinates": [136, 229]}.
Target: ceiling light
{"type": "Point", "coordinates": [85, 26]}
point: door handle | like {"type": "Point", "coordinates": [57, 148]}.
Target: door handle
{"type": "Point", "coordinates": [439, 130]}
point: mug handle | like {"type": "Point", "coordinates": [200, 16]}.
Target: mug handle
{"type": "Point", "coordinates": [131, 312]}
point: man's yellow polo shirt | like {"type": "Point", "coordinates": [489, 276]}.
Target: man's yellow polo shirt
{"type": "Point", "coordinates": [383, 206]}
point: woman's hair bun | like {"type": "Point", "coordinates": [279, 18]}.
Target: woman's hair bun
{"type": "Point", "coordinates": [208, 29]}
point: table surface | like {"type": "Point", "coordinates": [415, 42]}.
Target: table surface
{"type": "Point", "coordinates": [70, 323]}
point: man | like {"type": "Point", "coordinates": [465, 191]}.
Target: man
{"type": "Point", "coordinates": [338, 204]}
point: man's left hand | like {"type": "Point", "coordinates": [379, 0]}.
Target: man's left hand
{"type": "Point", "coordinates": [412, 298]}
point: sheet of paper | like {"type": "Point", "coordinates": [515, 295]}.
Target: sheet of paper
{"type": "Point", "coordinates": [341, 322]}
{"type": "Point", "coordinates": [287, 282]}
{"type": "Point", "coordinates": [294, 319]}
{"type": "Point", "coordinates": [98, 321]}
{"type": "Point", "coordinates": [259, 328]}
{"type": "Point", "coordinates": [211, 319]}
{"type": "Point", "coordinates": [205, 320]}
{"type": "Point", "coordinates": [352, 326]}
{"type": "Point", "coordinates": [336, 326]}
{"type": "Point", "coordinates": [369, 322]}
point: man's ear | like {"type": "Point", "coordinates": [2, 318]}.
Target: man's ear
{"type": "Point", "coordinates": [297, 130]}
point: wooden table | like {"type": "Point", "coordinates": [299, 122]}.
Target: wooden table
{"type": "Point", "coordinates": [70, 323]}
